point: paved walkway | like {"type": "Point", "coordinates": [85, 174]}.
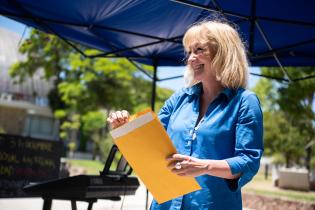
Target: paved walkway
{"type": "Point", "coordinates": [136, 202]}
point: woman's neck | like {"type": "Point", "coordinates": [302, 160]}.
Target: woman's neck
{"type": "Point", "coordinates": [210, 91]}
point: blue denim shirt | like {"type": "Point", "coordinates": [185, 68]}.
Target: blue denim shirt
{"type": "Point", "coordinates": [231, 130]}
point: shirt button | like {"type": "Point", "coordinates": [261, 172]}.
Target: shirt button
{"type": "Point", "coordinates": [194, 136]}
{"type": "Point", "coordinates": [191, 132]}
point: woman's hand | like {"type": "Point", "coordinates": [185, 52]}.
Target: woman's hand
{"type": "Point", "coordinates": [184, 165]}
{"type": "Point", "coordinates": [118, 118]}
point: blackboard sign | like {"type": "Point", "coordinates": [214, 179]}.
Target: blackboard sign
{"type": "Point", "coordinates": [24, 160]}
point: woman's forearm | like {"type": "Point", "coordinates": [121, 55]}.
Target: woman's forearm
{"type": "Point", "coordinates": [220, 168]}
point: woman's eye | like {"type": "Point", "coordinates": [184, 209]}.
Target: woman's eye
{"type": "Point", "coordinates": [199, 50]}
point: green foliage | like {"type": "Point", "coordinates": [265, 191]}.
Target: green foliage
{"type": "Point", "coordinates": [278, 159]}
{"type": "Point", "coordinates": [60, 113]}
{"type": "Point", "coordinates": [312, 163]}
{"type": "Point", "coordinates": [282, 137]}
{"type": "Point", "coordinates": [93, 120]}
{"type": "Point", "coordinates": [266, 93]}
{"type": "Point", "coordinates": [43, 51]}
{"type": "Point", "coordinates": [71, 146]}
{"type": "Point", "coordinates": [288, 115]}
{"type": "Point", "coordinates": [106, 144]}
{"type": "Point", "coordinates": [2, 131]}
{"type": "Point", "coordinates": [141, 95]}
{"type": "Point", "coordinates": [85, 89]}
{"type": "Point", "coordinates": [296, 98]}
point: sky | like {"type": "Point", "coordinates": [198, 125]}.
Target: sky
{"type": "Point", "coordinates": [163, 72]}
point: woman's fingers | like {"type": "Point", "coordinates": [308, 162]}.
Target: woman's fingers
{"type": "Point", "coordinates": [178, 157]}
{"type": "Point", "coordinates": [184, 165]}
{"type": "Point", "coordinates": [125, 114]}
{"type": "Point", "coordinates": [176, 165]}
{"type": "Point", "coordinates": [118, 118]}
{"type": "Point", "coordinates": [171, 165]}
{"type": "Point", "coordinates": [178, 162]}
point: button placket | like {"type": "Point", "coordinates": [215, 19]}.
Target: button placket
{"type": "Point", "coordinates": [192, 131]}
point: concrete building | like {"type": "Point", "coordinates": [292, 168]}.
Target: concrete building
{"type": "Point", "coordinates": [24, 106]}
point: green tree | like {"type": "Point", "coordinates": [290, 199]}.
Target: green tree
{"type": "Point", "coordinates": [47, 52]}
{"type": "Point", "coordinates": [288, 114]}
{"type": "Point", "coordinates": [84, 86]}
{"type": "Point", "coordinates": [296, 98]}
{"type": "Point", "coordinates": [281, 137]}
{"type": "Point", "coordinates": [93, 122]}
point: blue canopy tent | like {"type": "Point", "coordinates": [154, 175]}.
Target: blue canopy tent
{"type": "Point", "coordinates": [277, 33]}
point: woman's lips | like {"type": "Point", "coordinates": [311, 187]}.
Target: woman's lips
{"type": "Point", "coordinates": [198, 67]}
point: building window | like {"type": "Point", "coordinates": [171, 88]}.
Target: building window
{"type": "Point", "coordinates": [41, 127]}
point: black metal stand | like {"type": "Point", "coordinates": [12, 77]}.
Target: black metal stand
{"type": "Point", "coordinates": [48, 203]}
{"type": "Point", "coordinates": [73, 205]}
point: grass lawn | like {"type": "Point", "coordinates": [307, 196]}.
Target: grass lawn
{"type": "Point", "coordinates": [91, 166]}
{"type": "Point", "coordinates": [261, 186]}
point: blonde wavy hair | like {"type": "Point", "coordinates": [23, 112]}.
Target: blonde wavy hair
{"type": "Point", "coordinates": [227, 52]}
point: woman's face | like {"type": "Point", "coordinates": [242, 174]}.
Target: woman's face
{"type": "Point", "coordinates": [199, 60]}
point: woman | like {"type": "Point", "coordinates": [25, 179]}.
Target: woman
{"type": "Point", "coordinates": [214, 123]}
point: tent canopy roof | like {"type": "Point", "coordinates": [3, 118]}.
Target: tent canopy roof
{"type": "Point", "coordinates": [277, 33]}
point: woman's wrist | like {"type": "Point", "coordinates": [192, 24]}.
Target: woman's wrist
{"type": "Point", "coordinates": [219, 168]}
{"type": "Point", "coordinates": [209, 167]}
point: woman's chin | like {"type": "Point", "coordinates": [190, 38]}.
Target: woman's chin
{"type": "Point", "coordinates": [198, 77]}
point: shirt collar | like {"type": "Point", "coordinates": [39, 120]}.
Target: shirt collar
{"type": "Point", "coordinates": [194, 90]}
{"type": "Point", "coordinates": [197, 90]}
{"type": "Point", "coordinates": [229, 93]}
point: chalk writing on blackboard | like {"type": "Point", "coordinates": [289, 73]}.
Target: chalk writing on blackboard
{"type": "Point", "coordinates": [24, 160]}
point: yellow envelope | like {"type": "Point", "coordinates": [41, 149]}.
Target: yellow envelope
{"type": "Point", "coordinates": [145, 145]}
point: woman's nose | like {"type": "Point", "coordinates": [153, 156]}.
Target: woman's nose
{"type": "Point", "coordinates": [191, 57]}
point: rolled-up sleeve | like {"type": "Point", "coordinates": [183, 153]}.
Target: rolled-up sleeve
{"type": "Point", "coordinates": [248, 142]}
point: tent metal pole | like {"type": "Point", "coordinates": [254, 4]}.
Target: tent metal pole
{"type": "Point", "coordinates": [274, 54]}
{"type": "Point", "coordinates": [46, 27]}
{"type": "Point", "coordinates": [206, 7]}
{"type": "Point", "coordinates": [135, 47]}
{"type": "Point", "coordinates": [287, 48]}
{"type": "Point", "coordinates": [169, 78]}
{"type": "Point", "coordinates": [154, 80]}
{"type": "Point", "coordinates": [86, 26]}
{"type": "Point", "coordinates": [140, 68]}
{"type": "Point", "coordinates": [304, 78]}
{"type": "Point", "coordinates": [243, 16]}
{"type": "Point", "coordinates": [226, 12]}
{"type": "Point", "coordinates": [270, 77]}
